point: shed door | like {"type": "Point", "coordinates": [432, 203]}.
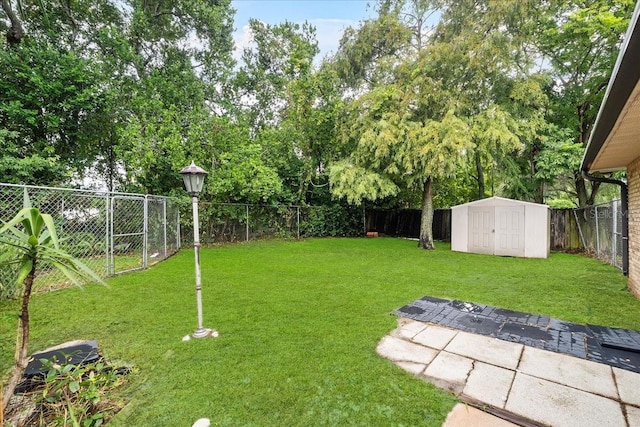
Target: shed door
{"type": "Point", "coordinates": [510, 231]}
{"type": "Point", "coordinates": [481, 231]}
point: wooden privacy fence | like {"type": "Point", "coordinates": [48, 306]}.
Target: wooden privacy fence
{"type": "Point", "coordinates": [406, 222]}
{"type": "Point", "coordinates": [565, 233]}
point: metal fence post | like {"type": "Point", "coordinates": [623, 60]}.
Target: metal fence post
{"type": "Point", "coordinates": [178, 231]}
{"type": "Point", "coordinates": [107, 217]}
{"type": "Point", "coordinates": [614, 249]}
{"type": "Point", "coordinates": [145, 230]}
{"type": "Point", "coordinates": [298, 209]}
{"type": "Point", "coordinates": [112, 261]}
{"type": "Point", "coordinates": [597, 233]}
{"type": "Point", "coordinates": [584, 243]}
{"type": "Point", "coordinates": [164, 226]}
{"type": "Point", "coordinates": [247, 231]}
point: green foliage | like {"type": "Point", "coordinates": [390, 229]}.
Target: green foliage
{"type": "Point", "coordinates": [356, 183]}
{"type": "Point", "coordinates": [47, 99]}
{"type": "Point", "coordinates": [332, 221]}
{"type": "Point", "coordinates": [77, 394]}
{"type": "Point", "coordinates": [282, 54]}
{"type": "Point", "coordinates": [83, 244]}
{"type": "Point", "coordinates": [560, 157]}
{"type": "Point", "coordinates": [136, 90]}
{"type": "Point", "coordinates": [9, 289]}
{"type": "Point", "coordinates": [242, 176]}
{"type": "Point", "coordinates": [88, 76]}
{"type": "Point", "coordinates": [580, 40]}
{"type": "Point", "coordinates": [364, 52]}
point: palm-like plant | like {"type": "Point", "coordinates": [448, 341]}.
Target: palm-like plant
{"type": "Point", "coordinates": [33, 235]}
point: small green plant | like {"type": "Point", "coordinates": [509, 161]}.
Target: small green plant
{"type": "Point", "coordinates": [75, 394]}
{"type": "Point", "coordinates": [34, 240]}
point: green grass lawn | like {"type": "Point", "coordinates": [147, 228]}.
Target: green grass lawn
{"type": "Point", "coordinates": [299, 322]}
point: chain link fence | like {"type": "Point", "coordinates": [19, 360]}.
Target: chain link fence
{"type": "Point", "coordinates": [600, 229]}
{"type": "Point", "coordinates": [237, 222]}
{"type": "Point", "coordinates": [110, 232]}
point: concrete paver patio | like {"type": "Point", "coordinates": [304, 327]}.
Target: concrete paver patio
{"type": "Point", "coordinates": [522, 384]}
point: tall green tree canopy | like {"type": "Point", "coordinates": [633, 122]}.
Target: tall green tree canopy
{"type": "Point", "coordinates": [579, 41]}
{"type": "Point", "coordinates": [430, 100]}
{"type": "Point", "coordinates": [440, 98]}
{"type": "Point", "coordinates": [127, 61]}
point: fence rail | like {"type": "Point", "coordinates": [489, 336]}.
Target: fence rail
{"type": "Point", "coordinates": [118, 232]}
{"type": "Point", "coordinates": [240, 222]}
{"type": "Point", "coordinates": [110, 232]}
{"type": "Point", "coordinates": [600, 230]}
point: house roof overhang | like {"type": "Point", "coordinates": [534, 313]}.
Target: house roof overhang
{"type": "Point", "coordinates": [615, 138]}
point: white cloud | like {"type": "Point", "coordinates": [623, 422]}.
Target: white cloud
{"type": "Point", "coordinates": [241, 40]}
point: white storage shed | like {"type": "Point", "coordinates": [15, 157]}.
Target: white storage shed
{"type": "Point", "coordinates": [499, 226]}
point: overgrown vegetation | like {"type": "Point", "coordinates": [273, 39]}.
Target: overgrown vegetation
{"type": "Point", "coordinates": [299, 322]}
{"type": "Point", "coordinates": [75, 395]}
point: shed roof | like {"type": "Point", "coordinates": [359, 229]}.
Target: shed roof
{"type": "Point", "coordinates": [614, 140]}
{"type": "Point", "coordinates": [500, 201]}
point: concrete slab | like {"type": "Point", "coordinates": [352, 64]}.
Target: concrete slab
{"type": "Point", "coordinates": [568, 370]}
{"type": "Point", "coordinates": [435, 336]}
{"type": "Point", "coordinates": [553, 404]}
{"type": "Point", "coordinates": [409, 328]}
{"type": "Point", "coordinates": [399, 350]}
{"type": "Point", "coordinates": [412, 367]}
{"type": "Point", "coordinates": [628, 383]}
{"type": "Point", "coordinates": [467, 416]}
{"type": "Point", "coordinates": [489, 384]}
{"type": "Point", "coordinates": [449, 371]}
{"type": "Point", "coordinates": [486, 349]}
{"type": "Point", "coordinates": [633, 416]}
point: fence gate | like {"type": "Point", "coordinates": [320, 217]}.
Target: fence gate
{"type": "Point", "coordinates": [127, 221]}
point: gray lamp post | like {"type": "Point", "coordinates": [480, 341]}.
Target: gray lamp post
{"type": "Point", "coordinates": [193, 177]}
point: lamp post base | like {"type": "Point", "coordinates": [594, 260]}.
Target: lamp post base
{"type": "Point", "coordinates": [204, 332]}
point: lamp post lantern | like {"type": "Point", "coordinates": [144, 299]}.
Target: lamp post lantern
{"type": "Point", "coordinates": [193, 177]}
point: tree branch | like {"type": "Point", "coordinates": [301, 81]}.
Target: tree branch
{"type": "Point", "coordinates": [15, 33]}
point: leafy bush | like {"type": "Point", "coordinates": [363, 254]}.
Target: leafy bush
{"type": "Point", "coordinates": [332, 221]}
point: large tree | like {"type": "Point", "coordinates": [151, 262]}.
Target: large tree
{"type": "Point", "coordinates": [435, 101]}
{"type": "Point", "coordinates": [278, 55]}
{"type": "Point", "coordinates": [579, 41]}
{"type": "Point", "coordinates": [130, 62]}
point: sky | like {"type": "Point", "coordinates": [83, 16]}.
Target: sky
{"type": "Point", "coordinates": [330, 17]}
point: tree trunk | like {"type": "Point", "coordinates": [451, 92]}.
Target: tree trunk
{"type": "Point", "coordinates": [22, 359]}
{"type": "Point", "coordinates": [480, 172]}
{"type": "Point", "coordinates": [584, 197]}
{"type": "Point", "coordinates": [426, 219]}
{"type": "Point", "coordinates": [584, 130]}
{"type": "Point", "coordinates": [15, 32]}
{"type": "Point", "coordinates": [581, 191]}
